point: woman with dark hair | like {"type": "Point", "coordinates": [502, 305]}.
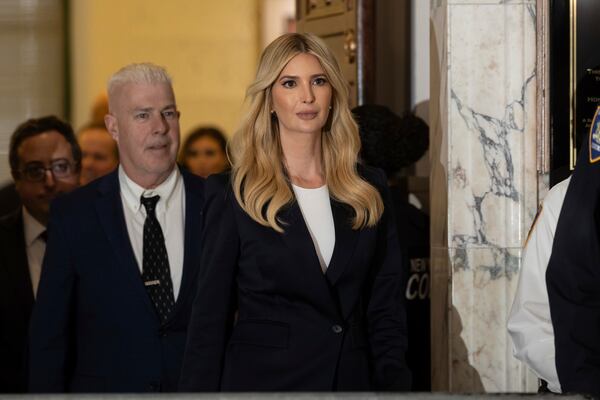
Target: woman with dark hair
{"type": "Point", "coordinates": [204, 152]}
{"type": "Point", "coordinates": [301, 242]}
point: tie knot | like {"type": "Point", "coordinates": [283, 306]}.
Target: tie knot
{"type": "Point", "coordinates": [149, 203]}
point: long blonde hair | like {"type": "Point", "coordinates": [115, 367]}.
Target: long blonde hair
{"type": "Point", "coordinates": [259, 179]}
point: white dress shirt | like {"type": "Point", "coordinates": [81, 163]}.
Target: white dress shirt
{"type": "Point", "coordinates": [170, 213]}
{"type": "Point", "coordinates": [529, 323]}
{"type": "Point", "coordinates": [35, 247]}
{"type": "Point", "coordinates": [316, 210]}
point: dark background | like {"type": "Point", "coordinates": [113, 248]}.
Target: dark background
{"type": "Point", "coordinates": [586, 78]}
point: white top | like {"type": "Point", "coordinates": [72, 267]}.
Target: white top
{"type": "Point", "coordinates": [529, 323]}
{"type": "Point", "coordinates": [35, 247]}
{"type": "Point", "coordinates": [170, 213]}
{"type": "Point", "coordinates": [316, 210]}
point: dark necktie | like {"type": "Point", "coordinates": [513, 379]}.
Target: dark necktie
{"type": "Point", "coordinates": [156, 273]}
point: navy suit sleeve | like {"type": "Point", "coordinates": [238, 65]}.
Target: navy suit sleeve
{"type": "Point", "coordinates": [50, 337]}
{"type": "Point", "coordinates": [386, 315]}
{"type": "Point", "coordinates": [215, 301]}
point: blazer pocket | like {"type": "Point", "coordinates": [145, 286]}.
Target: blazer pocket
{"type": "Point", "coordinates": [261, 333]}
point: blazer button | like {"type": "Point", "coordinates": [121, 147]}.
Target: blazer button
{"type": "Point", "coordinates": [337, 329]}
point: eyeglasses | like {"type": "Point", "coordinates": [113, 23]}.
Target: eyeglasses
{"type": "Point", "coordinates": [36, 172]}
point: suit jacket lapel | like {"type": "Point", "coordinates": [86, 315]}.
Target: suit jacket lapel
{"type": "Point", "coordinates": [192, 245]}
{"type": "Point", "coordinates": [110, 213]}
{"type": "Point", "coordinates": [302, 254]}
{"type": "Point", "coordinates": [297, 237]}
{"type": "Point", "coordinates": [345, 241]}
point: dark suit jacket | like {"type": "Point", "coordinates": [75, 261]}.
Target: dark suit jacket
{"type": "Point", "coordinates": [573, 280]}
{"type": "Point", "coordinates": [16, 301]}
{"type": "Point", "coordinates": [94, 328]}
{"type": "Point", "coordinates": [10, 202]}
{"type": "Point", "coordinates": [297, 329]}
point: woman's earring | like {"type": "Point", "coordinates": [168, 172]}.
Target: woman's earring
{"type": "Point", "coordinates": [330, 107]}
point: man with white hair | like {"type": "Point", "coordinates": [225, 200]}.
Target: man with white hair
{"type": "Point", "coordinates": [120, 269]}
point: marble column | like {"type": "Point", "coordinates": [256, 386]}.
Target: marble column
{"type": "Point", "coordinates": [483, 186]}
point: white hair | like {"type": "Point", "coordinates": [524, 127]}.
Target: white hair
{"type": "Point", "coordinates": [147, 73]}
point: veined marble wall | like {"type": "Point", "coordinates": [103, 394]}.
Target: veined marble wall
{"type": "Point", "coordinates": [483, 186]}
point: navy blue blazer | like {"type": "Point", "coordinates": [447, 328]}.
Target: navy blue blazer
{"type": "Point", "coordinates": [16, 302]}
{"type": "Point", "coordinates": [94, 328]}
{"type": "Point", "coordinates": [297, 329]}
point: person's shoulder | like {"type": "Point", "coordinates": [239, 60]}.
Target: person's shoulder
{"type": "Point", "coordinates": [191, 179]}
{"type": "Point", "coordinates": [374, 176]}
{"type": "Point", "coordinates": [83, 197]}
{"type": "Point", "coordinates": [219, 197]}
{"type": "Point", "coordinates": [222, 178]}
{"type": "Point", "coordinates": [219, 181]}
{"type": "Point", "coordinates": [11, 221]}
{"type": "Point", "coordinates": [549, 211]}
{"type": "Point", "coordinates": [193, 183]}
{"type": "Point", "coordinates": [556, 195]}
{"type": "Point", "coordinates": [219, 185]}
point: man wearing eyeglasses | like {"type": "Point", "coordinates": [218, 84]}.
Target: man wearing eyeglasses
{"type": "Point", "coordinates": [44, 160]}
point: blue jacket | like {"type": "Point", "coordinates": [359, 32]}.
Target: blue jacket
{"type": "Point", "coordinates": [94, 328]}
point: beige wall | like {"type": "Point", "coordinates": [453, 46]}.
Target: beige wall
{"type": "Point", "coordinates": [31, 67]}
{"type": "Point", "coordinates": [209, 47]}
{"type": "Point", "coordinates": [274, 15]}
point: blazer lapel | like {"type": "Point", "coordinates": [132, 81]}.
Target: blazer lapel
{"type": "Point", "coordinates": [297, 237]}
{"type": "Point", "coordinates": [302, 254]}
{"type": "Point", "coordinates": [192, 246]}
{"type": "Point", "coordinates": [345, 241]}
{"type": "Point", "coordinates": [110, 213]}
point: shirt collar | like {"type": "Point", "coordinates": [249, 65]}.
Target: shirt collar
{"type": "Point", "coordinates": [33, 228]}
{"type": "Point", "coordinates": [132, 192]}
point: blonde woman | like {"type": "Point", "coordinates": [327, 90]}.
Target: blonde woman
{"type": "Point", "coordinates": [300, 242]}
